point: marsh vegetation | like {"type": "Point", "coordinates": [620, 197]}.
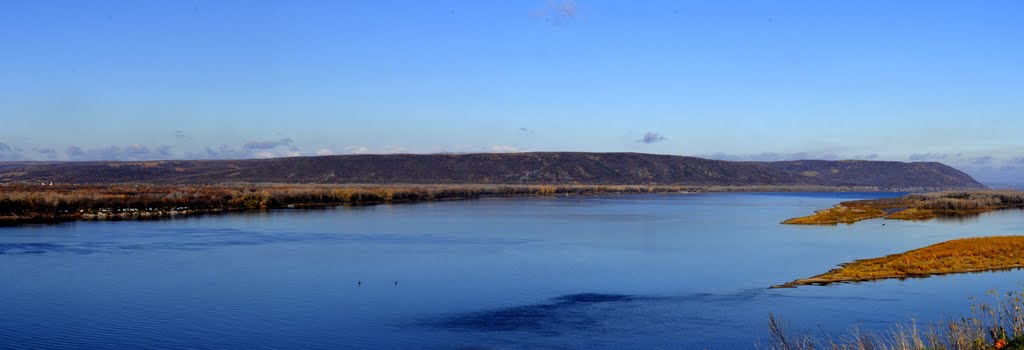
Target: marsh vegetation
{"type": "Point", "coordinates": [915, 207]}
{"type": "Point", "coordinates": [995, 322]}
{"type": "Point", "coordinates": [23, 202]}
{"type": "Point", "coordinates": [955, 256]}
{"type": "Point", "coordinates": [69, 202]}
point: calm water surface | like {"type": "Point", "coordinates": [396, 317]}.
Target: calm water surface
{"type": "Point", "coordinates": [657, 271]}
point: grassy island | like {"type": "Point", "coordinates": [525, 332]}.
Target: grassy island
{"type": "Point", "coordinates": [915, 207]}
{"type": "Point", "coordinates": [956, 256]}
{"type": "Point", "coordinates": [842, 213]}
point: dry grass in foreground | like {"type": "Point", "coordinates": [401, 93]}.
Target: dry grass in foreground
{"type": "Point", "coordinates": [956, 256]}
{"type": "Point", "coordinates": [915, 207]}
{"type": "Point", "coordinates": [995, 323]}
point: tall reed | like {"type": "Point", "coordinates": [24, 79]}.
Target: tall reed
{"type": "Point", "coordinates": [994, 322]}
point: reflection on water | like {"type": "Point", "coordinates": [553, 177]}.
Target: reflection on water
{"type": "Point", "coordinates": [230, 238]}
{"type": "Point", "coordinates": [959, 219]}
{"type": "Point", "coordinates": [602, 272]}
{"type": "Point", "coordinates": [975, 217]}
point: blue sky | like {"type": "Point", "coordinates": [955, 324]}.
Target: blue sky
{"type": "Point", "coordinates": [907, 80]}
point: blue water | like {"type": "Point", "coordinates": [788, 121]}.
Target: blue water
{"type": "Point", "coordinates": [609, 272]}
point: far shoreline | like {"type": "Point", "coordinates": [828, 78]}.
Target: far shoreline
{"type": "Point", "coordinates": [45, 203]}
{"type": "Point", "coordinates": [915, 207]}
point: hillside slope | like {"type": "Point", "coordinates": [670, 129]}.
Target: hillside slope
{"type": "Point", "coordinates": [500, 168]}
{"type": "Point", "coordinates": [876, 173]}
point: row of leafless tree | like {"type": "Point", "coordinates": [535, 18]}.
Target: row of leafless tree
{"type": "Point", "coordinates": [72, 199]}
{"type": "Point", "coordinates": [968, 200]}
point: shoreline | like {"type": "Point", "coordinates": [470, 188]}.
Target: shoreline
{"type": "Point", "coordinates": [964, 255]}
{"type": "Point", "coordinates": [37, 203]}
{"type": "Point", "coordinates": [915, 207]}
{"type": "Point", "coordinates": [813, 281]}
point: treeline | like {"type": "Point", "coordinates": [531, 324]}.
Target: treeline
{"type": "Point", "coordinates": [915, 207]}
{"type": "Point", "coordinates": [35, 201]}
{"type": "Point", "coordinates": [968, 200]}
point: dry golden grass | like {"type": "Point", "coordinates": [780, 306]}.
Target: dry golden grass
{"type": "Point", "coordinates": [995, 322]}
{"type": "Point", "coordinates": [21, 202]}
{"type": "Point", "coordinates": [956, 256]}
{"type": "Point", "coordinates": [841, 213]}
{"type": "Point", "coordinates": [912, 214]}
{"type": "Point", "coordinates": [66, 202]}
{"type": "Point", "coordinates": [916, 207]}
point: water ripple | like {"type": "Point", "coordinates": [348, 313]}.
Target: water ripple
{"type": "Point", "coordinates": [219, 239]}
{"type": "Point", "coordinates": [574, 311]}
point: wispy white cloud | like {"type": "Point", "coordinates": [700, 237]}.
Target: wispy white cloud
{"type": "Point", "coordinates": [356, 150]}
{"type": "Point", "coordinates": [46, 152]}
{"type": "Point", "coordinates": [503, 149]}
{"type": "Point", "coordinates": [266, 144]}
{"type": "Point", "coordinates": [557, 12]}
{"type": "Point", "coordinates": [74, 151]}
{"type": "Point", "coordinates": [9, 153]}
{"type": "Point", "coordinates": [773, 157]}
{"type": "Point", "coordinates": [389, 149]}
{"type": "Point", "coordinates": [986, 168]}
{"type": "Point", "coordinates": [277, 154]}
{"type": "Point", "coordinates": [651, 137]}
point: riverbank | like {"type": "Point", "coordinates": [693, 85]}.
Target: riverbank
{"type": "Point", "coordinates": [995, 322]}
{"type": "Point", "coordinates": [41, 203]}
{"type": "Point", "coordinates": [955, 256]}
{"type": "Point", "coordinates": [915, 207]}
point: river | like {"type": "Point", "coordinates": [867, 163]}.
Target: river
{"type": "Point", "coordinates": [682, 271]}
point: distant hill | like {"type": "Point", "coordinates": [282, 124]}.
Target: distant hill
{"type": "Point", "coordinates": [501, 168]}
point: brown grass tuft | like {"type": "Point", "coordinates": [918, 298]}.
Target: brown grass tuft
{"type": "Point", "coordinates": [916, 207]}
{"type": "Point", "coordinates": [956, 256]}
{"type": "Point", "coordinates": [841, 213]}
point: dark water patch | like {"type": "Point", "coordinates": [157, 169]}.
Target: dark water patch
{"type": "Point", "coordinates": [594, 298]}
{"type": "Point", "coordinates": [597, 312]}
{"type": "Point", "coordinates": [419, 239]}
{"type": "Point", "coordinates": [738, 297]}
{"type": "Point", "coordinates": [28, 248]}
{"type": "Point", "coordinates": [568, 312]}
{"type": "Point", "coordinates": [204, 231]}
{"type": "Point", "coordinates": [204, 239]}
{"type": "Point", "coordinates": [38, 248]}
